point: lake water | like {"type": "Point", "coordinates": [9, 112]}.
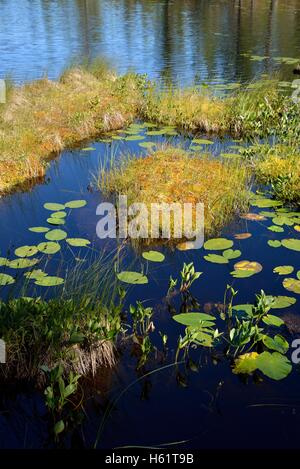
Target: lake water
{"type": "Point", "coordinates": [184, 42]}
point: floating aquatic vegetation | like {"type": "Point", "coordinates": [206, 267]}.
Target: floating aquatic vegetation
{"type": "Point", "coordinates": [53, 207]}
{"type": "Point", "coordinates": [147, 145]}
{"type": "Point", "coordinates": [291, 243]}
{"type": "Point", "coordinates": [274, 243]}
{"type": "Point", "coordinates": [253, 217]}
{"type": "Point", "coordinates": [153, 256]}
{"type": "Point", "coordinates": [39, 229]}
{"type": "Point", "coordinates": [22, 263]}
{"type": "Point", "coordinates": [274, 365]}
{"type": "Point", "coordinates": [272, 320]}
{"type": "Point", "coordinates": [241, 236]}
{"type": "Point", "coordinates": [4, 261]}
{"type": "Point", "coordinates": [218, 244]}
{"type": "Point", "coordinates": [265, 203]}
{"type": "Point", "coordinates": [76, 204]}
{"type": "Point", "coordinates": [56, 235]}
{"type": "Point", "coordinates": [291, 284]}
{"type": "Point", "coordinates": [276, 229]}
{"type": "Point", "coordinates": [195, 319]}
{"type": "Point", "coordinates": [55, 221]}
{"type": "Point", "coordinates": [216, 259]}
{"type": "Point", "coordinates": [35, 274]}
{"type": "Point", "coordinates": [26, 251]}
{"type": "Point", "coordinates": [49, 247]}
{"type": "Point", "coordinates": [283, 221]}
{"type": "Point", "coordinates": [278, 343]}
{"type": "Point", "coordinates": [134, 278]}
{"type": "Point", "coordinates": [88, 149]}
{"type": "Point", "coordinates": [245, 269]}
{"type": "Point", "coordinates": [133, 138]}
{"type": "Point", "coordinates": [78, 242]}
{"type": "Point", "coordinates": [281, 302]}
{"type": "Point", "coordinates": [283, 269]}
{"type": "Point", "coordinates": [49, 281]}
{"type": "Point", "coordinates": [202, 141]}
{"type": "Point", "coordinates": [155, 132]}
{"type": "Point", "coordinates": [6, 279]}
{"type": "Point", "coordinates": [59, 214]}
{"type": "Point", "coordinates": [232, 253]}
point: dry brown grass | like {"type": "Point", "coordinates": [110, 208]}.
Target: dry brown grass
{"type": "Point", "coordinates": [44, 117]}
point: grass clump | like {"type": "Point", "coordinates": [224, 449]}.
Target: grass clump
{"type": "Point", "coordinates": [79, 335]}
{"type": "Point", "coordinates": [172, 175]}
{"type": "Point", "coordinates": [283, 173]}
{"type": "Point", "coordinates": [44, 117]}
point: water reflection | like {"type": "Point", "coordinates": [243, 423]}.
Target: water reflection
{"type": "Point", "coordinates": [182, 41]}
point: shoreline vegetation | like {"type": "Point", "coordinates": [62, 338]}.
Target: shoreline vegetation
{"type": "Point", "coordinates": [42, 118]}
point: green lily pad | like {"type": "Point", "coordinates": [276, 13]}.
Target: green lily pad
{"type": "Point", "coordinates": [202, 141]}
{"type": "Point", "coordinates": [246, 363]}
{"type": "Point", "coordinates": [232, 253]}
{"type": "Point", "coordinates": [292, 284]}
{"type": "Point", "coordinates": [39, 229]}
{"type": "Point", "coordinates": [271, 320]}
{"type": "Point", "coordinates": [132, 138]}
{"type": "Point", "coordinates": [245, 309]}
{"type": "Point", "coordinates": [265, 203]}
{"type": "Point", "coordinates": [283, 221]}
{"type": "Point", "coordinates": [278, 343]}
{"type": "Point", "coordinates": [56, 221]}
{"type": "Point", "coordinates": [59, 215]}
{"type": "Point", "coordinates": [216, 259]}
{"type": "Point", "coordinates": [155, 132]}
{"type": "Point", "coordinates": [283, 302]}
{"type": "Point", "coordinates": [274, 243]}
{"type": "Point", "coordinates": [78, 242]}
{"type": "Point", "coordinates": [49, 247]}
{"type": "Point", "coordinates": [26, 251]}
{"type": "Point", "coordinates": [274, 365]}
{"type": "Point", "coordinates": [53, 207]}
{"type": "Point", "coordinates": [148, 145]}
{"type": "Point", "coordinates": [194, 319]}
{"type": "Point", "coordinates": [76, 204]}
{"type": "Point", "coordinates": [290, 243]}
{"type": "Point", "coordinates": [49, 281]}
{"type": "Point", "coordinates": [283, 269]}
{"type": "Point", "coordinates": [153, 256]}
{"type": "Point", "coordinates": [218, 244]}
{"type": "Point", "coordinates": [35, 274]}
{"type": "Point", "coordinates": [22, 263]}
{"type": "Point", "coordinates": [242, 273]}
{"type": "Point", "coordinates": [134, 278]}
{"type": "Point", "coordinates": [88, 149]}
{"type": "Point", "coordinates": [4, 261]}
{"type": "Point", "coordinates": [6, 279]}
{"type": "Point", "coordinates": [56, 235]}
{"type": "Point", "coordinates": [276, 229]}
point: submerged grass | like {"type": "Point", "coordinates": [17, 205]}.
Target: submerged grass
{"type": "Point", "coordinates": [44, 117]}
{"type": "Point", "coordinates": [173, 175]}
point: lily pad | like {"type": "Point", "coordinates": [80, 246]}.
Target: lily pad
{"type": "Point", "coordinates": [274, 243]}
{"type": "Point", "coordinates": [4, 261]}
{"type": "Point", "coordinates": [274, 365]}
{"type": "Point", "coordinates": [134, 138]}
{"type": "Point", "coordinates": [232, 253]}
{"type": "Point", "coordinates": [202, 141]}
{"type": "Point", "coordinates": [283, 302]}
{"type": "Point", "coordinates": [194, 319]}
{"type": "Point", "coordinates": [153, 256]}
{"type": "Point", "coordinates": [49, 281]}
{"type": "Point", "coordinates": [283, 270]}
{"type": "Point", "coordinates": [53, 207]}
{"type": "Point", "coordinates": [26, 251]}
{"type": "Point", "coordinates": [248, 265]}
{"type": "Point", "coordinates": [277, 343]}
{"type": "Point", "coordinates": [276, 229]}
{"type": "Point", "coordinates": [56, 221]}
{"type": "Point", "coordinates": [22, 263]}
{"type": "Point", "coordinates": [134, 278]}
{"type": "Point", "coordinates": [283, 221]}
{"type": "Point", "coordinates": [272, 320]}
{"type": "Point", "coordinates": [292, 284]}
{"type": "Point", "coordinates": [242, 236]}
{"type": "Point", "coordinates": [148, 145]}
{"type": "Point", "coordinates": [245, 309]}
{"type": "Point", "coordinates": [218, 244]}
{"type": "Point", "coordinates": [265, 203]}
{"type": "Point", "coordinates": [242, 273]}
{"type": "Point", "coordinates": [56, 235]}
{"type": "Point", "coordinates": [216, 259]}
{"type": "Point", "coordinates": [6, 279]}
{"type": "Point", "coordinates": [76, 204]}
{"type": "Point", "coordinates": [59, 215]}
{"type": "Point", "coordinates": [253, 217]}
{"type": "Point", "coordinates": [290, 243]}
{"type": "Point", "coordinates": [246, 363]}
{"type": "Point", "coordinates": [49, 247]}
{"type": "Point", "coordinates": [78, 242]}
{"type": "Point", "coordinates": [35, 274]}
{"type": "Point", "coordinates": [39, 229]}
